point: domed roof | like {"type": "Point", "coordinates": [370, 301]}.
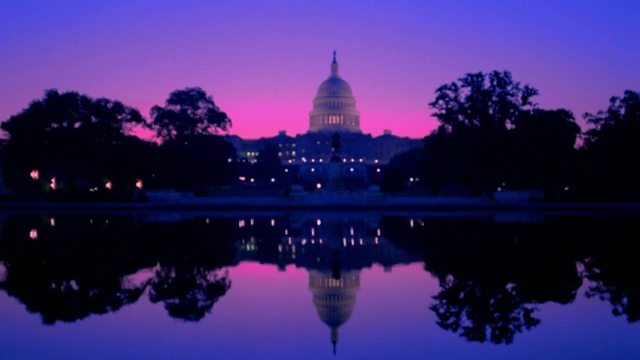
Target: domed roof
{"type": "Point", "coordinates": [334, 106]}
{"type": "Point", "coordinates": [335, 87]}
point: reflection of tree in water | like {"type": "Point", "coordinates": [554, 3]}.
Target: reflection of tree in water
{"type": "Point", "coordinates": [613, 269]}
{"type": "Point", "coordinates": [188, 293]}
{"type": "Point", "coordinates": [71, 281]}
{"type": "Point", "coordinates": [189, 280]}
{"type": "Point", "coordinates": [491, 274]}
{"type": "Point", "coordinates": [69, 268]}
{"type": "Point", "coordinates": [482, 313]}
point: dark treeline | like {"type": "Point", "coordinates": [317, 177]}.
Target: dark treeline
{"type": "Point", "coordinates": [493, 272]}
{"type": "Point", "coordinates": [86, 148]}
{"type": "Point", "coordinates": [492, 137]}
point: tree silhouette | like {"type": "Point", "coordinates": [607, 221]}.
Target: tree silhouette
{"type": "Point", "coordinates": [610, 161]}
{"type": "Point", "coordinates": [188, 111]}
{"type": "Point", "coordinates": [481, 100]}
{"type": "Point", "coordinates": [76, 139]}
{"type": "Point", "coordinates": [492, 135]}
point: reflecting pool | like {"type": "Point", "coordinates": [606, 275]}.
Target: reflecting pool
{"type": "Point", "coordinates": [352, 285]}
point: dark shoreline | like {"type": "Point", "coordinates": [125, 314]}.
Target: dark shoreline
{"type": "Point", "coordinates": [283, 204]}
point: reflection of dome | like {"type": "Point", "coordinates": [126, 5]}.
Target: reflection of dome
{"type": "Point", "coordinates": [334, 107]}
{"type": "Point", "coordinates": [334, 299]}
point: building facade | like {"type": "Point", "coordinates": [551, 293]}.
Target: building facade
{"type": "Point", "coordinates": [334, 111]}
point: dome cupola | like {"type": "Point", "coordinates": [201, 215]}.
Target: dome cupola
{"type": "Point", "coordinates": [334, 107]}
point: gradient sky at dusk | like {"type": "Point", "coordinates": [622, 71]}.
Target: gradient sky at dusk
{"type": "Point", "coordinates": [262, 61]}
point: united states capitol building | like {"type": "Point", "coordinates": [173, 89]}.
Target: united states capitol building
{"type": "Point", "coordinates": [334, 111]}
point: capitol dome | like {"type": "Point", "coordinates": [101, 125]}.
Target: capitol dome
{"type": "Point", "coordinates": [334, 107]}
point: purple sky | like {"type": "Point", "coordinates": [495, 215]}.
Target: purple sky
{"type": "Point", "coordinates": [262, 61]}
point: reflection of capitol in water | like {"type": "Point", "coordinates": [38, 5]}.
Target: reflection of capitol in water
{"type": "Point", "coordinates": [334, 248]}
{"type": "Point", "coordinates": [334, 298]}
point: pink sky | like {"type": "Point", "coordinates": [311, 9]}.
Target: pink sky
{"type": "Point", "coordinates": [263, 61]}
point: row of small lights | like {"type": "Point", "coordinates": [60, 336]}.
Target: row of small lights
{"type": "Point", "coordinates": [35, 175]}
{"type": "Point", "coordinates": [345, 243]}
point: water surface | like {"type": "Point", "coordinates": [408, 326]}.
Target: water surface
{"type": "Point", "coordinates": [319, 285]}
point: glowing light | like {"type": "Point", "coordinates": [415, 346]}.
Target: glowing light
{"type": "Point", "coordinates": [318, 222]}
{"type": "Point", "coordinates": [108, 185]}
{"type": "Point", "coordinates": [242, 178]}
{"type": "Point", "coordinates": [313, 232]}
{"type": "Point", "coordinates": [375, 161]}
{"type": "Point", "coordinates": [33, 234]}
{"type": "Point", "coordinates": [241, 224]}
{"type": "Point", "coordinates": [273, 180]}
{"type": "Point", "coordinates": [52, 185]}
{"type": "Point", "coordinates": [35, 174]}
{"type": "Point", "coordinates": [411, 179]}
{"type": "Point", "coordinates": [139, 184]}
{"type": "Point", "coordinates": [52, 221]}
{"type": "Point", "coordinates": [273, 222]}
{"type": "Point", "coordinates": [318, 186]}
{"type": "Point", "coordinates": [252, 179]}
{"type": "Point", "coordinates": [313, 169]}
{"type": "Point", "coordinates": [287, 170]}
{"type": "Point", "coordinates": [378, 170]}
